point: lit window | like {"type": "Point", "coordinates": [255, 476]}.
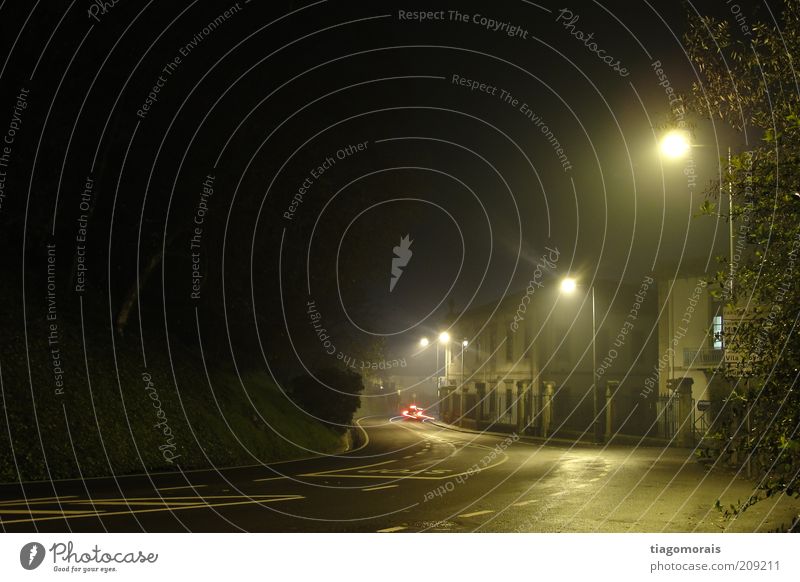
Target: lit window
{"type": "Point", "coordinates": [716, 331]}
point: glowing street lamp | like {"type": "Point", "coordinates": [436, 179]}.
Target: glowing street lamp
{"type": "Point", "coordinates": [424, 342]}
{"type": "Point", "coordinates": [444, 337]}
{"type": "Point", "coordinates": [568, 285]}
{"type": "Point", "coordinates": [464, 344]}
{"type": "Point", "coordinates": [675, 144]}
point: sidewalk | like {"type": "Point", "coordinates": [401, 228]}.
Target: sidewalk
{"type": "Point", "coordinates": [670, 473]}
{"type": "Point", "coordinates": [585, 441]}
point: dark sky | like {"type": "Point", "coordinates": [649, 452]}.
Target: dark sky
{"type": "Point", "coordinates": [262, 98]}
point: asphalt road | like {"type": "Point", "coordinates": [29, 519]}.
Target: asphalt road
{"type": "Point", "coordinates": [408, 476]}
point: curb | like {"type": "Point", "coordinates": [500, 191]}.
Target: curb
{"type": "Point", "coordinates": [617, 441]}
{"type": "Point", "coordinates": [523, 438]}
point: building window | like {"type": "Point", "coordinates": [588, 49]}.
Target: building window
{"type": "Point", "coordinates": [716, 332]}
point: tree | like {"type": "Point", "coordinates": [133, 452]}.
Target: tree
{"type": "Point", "coordinates": [748, 81]}
{"type": "Point", "coordinates": [331, 395]}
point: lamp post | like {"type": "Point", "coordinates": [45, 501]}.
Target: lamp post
{"type": "Point", "coordinates": [464, 344]}
{"type": "Point", "coordinates": [444, 339]}
{"type": "Point", "coordinates": [568, 286]}
{"type": "Point", "coordinates": [676, 145]}
{"type": "Point", "coordinates": [423, 343]}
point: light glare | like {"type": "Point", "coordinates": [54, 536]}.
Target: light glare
{"type": "Point", "coordinates": [568, 285]}
{"type": "Point", "coordinates": [675, 144]}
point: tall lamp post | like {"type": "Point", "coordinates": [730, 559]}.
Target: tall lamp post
{"type": "Point", "coordinates": [464, 344]}
{"type": "Point", "coordinates": [423, 343]}
{"type": "Point", "coordinates": [444, 339]}
{"type": "Point", "coordinates": [568, 286]}
{"type": "Point", "coordinates": [676, 145]}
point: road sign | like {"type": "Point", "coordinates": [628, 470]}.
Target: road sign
{"type": "Point", "coordinates": [735, 362]}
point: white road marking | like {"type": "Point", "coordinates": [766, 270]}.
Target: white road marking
{"type": "Point", "coordinates": [270, 479]}
{"type": "Point", "coordinates": [381, 487]}
{"type": "Point", "coordinates": [524, 503]}
{"type": "Point", "coordinates": [476, 513]}
{"type": "Point", "coordinates": [392, 529]}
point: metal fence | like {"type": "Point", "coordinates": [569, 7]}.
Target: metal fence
{"type": "Point", "coordinates": [569, 414]}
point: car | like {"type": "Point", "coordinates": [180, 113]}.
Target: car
{"type": "Point", "coordinates": [414, 412]}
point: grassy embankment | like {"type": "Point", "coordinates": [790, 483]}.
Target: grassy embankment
{"type": "Point", "coordinates": [105, 422]}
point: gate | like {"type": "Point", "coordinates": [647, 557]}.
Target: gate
{"type": "Point", "coordinates": [668, 417]}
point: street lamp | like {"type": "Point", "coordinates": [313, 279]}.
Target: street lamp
{"type": "Point", "coordinates": [568, 286]}
{"type": "Point", "coordinates": [464, 344]}
{"type": "Point", "coordinates": [444, 339]}
{"type": "Point", "coordinates": [676, 145]}
{"type": "Point", "coordinates": [424, 342]}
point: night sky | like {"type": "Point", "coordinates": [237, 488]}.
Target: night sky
{"type": "Point", "coordinates": [251, 159]}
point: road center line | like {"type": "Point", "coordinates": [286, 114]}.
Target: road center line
{"type": "Point", "coordinates": [524, 503]}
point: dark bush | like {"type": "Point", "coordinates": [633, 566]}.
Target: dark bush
{"type": "Point", "coordinates": [331, 395]}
